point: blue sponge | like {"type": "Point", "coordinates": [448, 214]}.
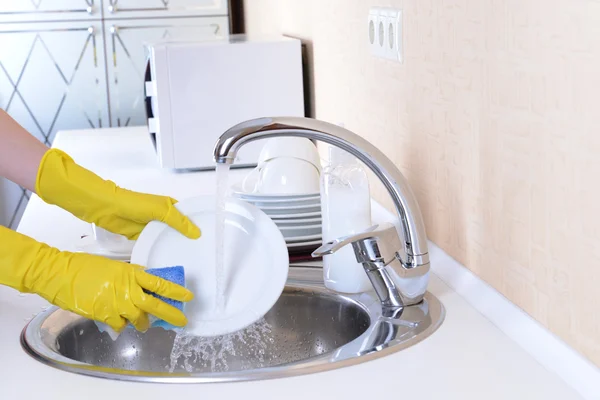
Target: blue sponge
{"type": "Point", "coordinates": [174, 274]}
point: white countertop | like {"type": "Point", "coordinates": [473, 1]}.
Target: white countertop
{"type": "Point", "coordinates": [467, 358]}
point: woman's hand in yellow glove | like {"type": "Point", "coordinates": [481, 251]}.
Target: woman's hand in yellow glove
{"type": "Point", "coordinates": [91, 286]}
{"type": "Point", "coordinates": [62, 182]}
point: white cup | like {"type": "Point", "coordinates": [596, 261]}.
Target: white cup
{"type": "Point", "coordinates": [289, 147]}
{"type": "Point", "coordinates": [286, 165]}
{"type": "Point", "coordinates": [287, 176]}
{"type": "Point", "coordinates": [111, 241]}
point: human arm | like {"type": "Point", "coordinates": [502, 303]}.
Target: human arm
{"type": "Point", "coordinates": [20, 153]}
{"type": "Point", "coordinates": [92, 286]}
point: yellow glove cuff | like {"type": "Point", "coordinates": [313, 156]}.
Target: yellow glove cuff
{"type": "Point", "coordinates": [62, 182]}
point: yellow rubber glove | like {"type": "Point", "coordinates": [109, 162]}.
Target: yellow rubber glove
{"type": "Point", "coordinates": [91, 286]}
{"type": "Point", "coordinates": [62, 182]}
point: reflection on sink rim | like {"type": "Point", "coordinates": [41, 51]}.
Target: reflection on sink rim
{"type": "Point", "coordinates": [386, 334]}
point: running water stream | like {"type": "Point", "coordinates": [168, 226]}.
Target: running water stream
{"type": "Point", "coordinates": [222, 173]}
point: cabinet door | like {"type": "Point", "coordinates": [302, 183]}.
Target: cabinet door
{"type": "Point", "coordinates": [114, 9]}
{"type": "Point", "coordinates": [52, 77]}
{"type": "Point", "coordinates": [127, 58]}
{"type": "Point", "coordinates": [49, 10]}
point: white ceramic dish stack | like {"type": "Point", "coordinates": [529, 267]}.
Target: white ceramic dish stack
{"type": "Point", "coordinates": [298, 216]}
{"type": "Point", "coordinates": [286, 186]}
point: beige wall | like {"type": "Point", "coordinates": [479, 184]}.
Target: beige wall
{"type": "Point", "coordinates": [495, 119]}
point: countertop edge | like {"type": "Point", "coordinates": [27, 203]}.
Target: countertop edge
{"type": "Point", "coordinates": [544, 346]}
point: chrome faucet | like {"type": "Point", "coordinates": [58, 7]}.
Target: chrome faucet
{"type": "Point", "coordinates": [390, 261]}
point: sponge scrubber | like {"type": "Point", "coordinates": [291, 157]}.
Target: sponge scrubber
{"type": "Point", "coordinates": [174, 274]}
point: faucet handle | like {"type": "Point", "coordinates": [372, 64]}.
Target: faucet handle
{"type": "Point", "coordinates": [376, 248]}
{"type": "Point", "coordinates": [377, 244]}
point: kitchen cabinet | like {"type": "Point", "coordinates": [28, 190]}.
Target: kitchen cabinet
{"type": "Point", "coordinates": [76, 64]}
{"type": "Point", "coordinates": [127, 58]}
{"type": "Point", "coordinates": [115, 9]}
{"type": "Point", "coordinates": [52, 76]}
{"type": "Point", "coordinates": [49, 10]}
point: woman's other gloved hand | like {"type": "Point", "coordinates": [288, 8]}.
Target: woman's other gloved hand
{"type": "Point", "coordinates": [91, 286]}
{"type": "Point", "coordinates": [62, 182]}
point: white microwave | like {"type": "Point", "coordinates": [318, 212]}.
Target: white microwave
{"type": "Point", "coordinates": [197, 89]}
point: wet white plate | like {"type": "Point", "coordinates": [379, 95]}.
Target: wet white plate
{"type": "Point", "coordinates": [256, 263]}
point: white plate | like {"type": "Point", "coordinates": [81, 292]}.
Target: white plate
{"type": "Point", "coordinates": [298, 222]}
{"type": "Point", "coordinates": [281, 201]}
{"type": "Point", "coordinates": [256, 263]}
{"type": "Point", "coordinates": [293, 216]}
{"type": "Point", "coordinates": [304, 244]}
{"type": "Point", "coordinates": [294, 231]}
{"type": "Point", "coordinates": [88, 244]}
{"type": "Point", "coordinates": [301, 227]}
{"type": "Point", "coordinates": [237, 190]}
{"type": "Point", "coordinates": [298, 239]}
{"type": "Point", "coordinates": [278, 206]}
{"type": "Point", "coordinates": [292, 210]}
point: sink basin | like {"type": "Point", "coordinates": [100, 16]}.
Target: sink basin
{"type": "Point", "coordinates": [310, 329]}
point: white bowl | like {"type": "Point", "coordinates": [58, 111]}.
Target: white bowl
{"type": "Point", "coordinates": [87, 244]}
{"type": "Point", "coordinates": [112, 242]}
{"type": "Point", "coordinates": [290, 147]}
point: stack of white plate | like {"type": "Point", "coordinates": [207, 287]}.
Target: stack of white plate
{"type": "Point", "coordinates": [298, 216]}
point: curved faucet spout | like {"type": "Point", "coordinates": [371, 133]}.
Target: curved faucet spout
{"type": "Point", "coordinates": [415, 238]}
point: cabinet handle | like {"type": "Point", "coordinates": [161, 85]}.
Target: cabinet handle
{"type": "Point", "coordinates": [90, 10]}
{"type": "Point", "coordinates": [112, 9]}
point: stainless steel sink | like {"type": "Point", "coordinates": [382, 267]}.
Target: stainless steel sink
{"type": "Point", "coordinates": [309, 329]}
